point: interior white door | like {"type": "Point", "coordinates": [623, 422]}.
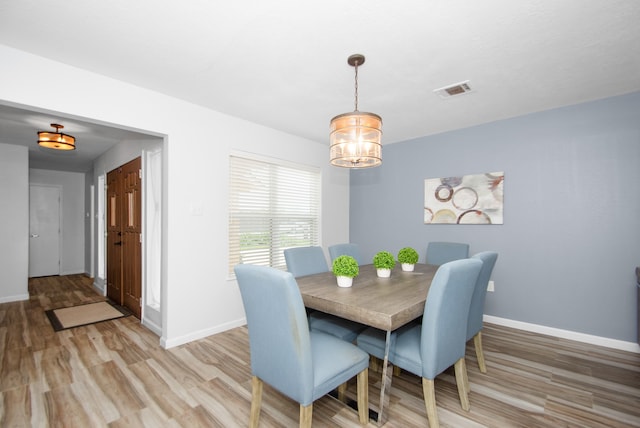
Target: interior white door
{"type": "Point", "coordinates": [44, 231]}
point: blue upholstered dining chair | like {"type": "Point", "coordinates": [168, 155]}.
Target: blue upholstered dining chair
{"type": "Point", "coordinates": [439, 253]}
{"type": "Point", "coordinates": [429, 348]}
{"type": "Point", "coordinates": [476, 311]}
{"type": "Point", "coordinates": [302, 261]}
{"type": "Point", "coordinates": [301, 364]}
{"type": "Point", "coordinates": [345, 249]}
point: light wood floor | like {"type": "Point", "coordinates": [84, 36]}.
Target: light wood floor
{"type": "Point", "coordinates": [115, 374]}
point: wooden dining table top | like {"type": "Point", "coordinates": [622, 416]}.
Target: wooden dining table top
{"type": "Point", "coordinates": [384, 303]}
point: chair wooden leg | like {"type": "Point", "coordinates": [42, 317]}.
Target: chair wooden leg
{"type": "Point", "coordinates": [462, 382]}
{"type": "Point", "coordinates": [342, 392]}
{"type": "Point", "coordinates": [467, 387]}
{"type": "Point", "coordinates": [256, 401]}
{"type": "Point", "coordinates": [428, 389]}
{"type": "Point", "coordinates": [306, 415]}
{"type": "Point", "coordinates": [374, 363]}
{"type": "Point", "coordinates": [363, 396]}
{"type": "Point", "coordinates": [477, 343]}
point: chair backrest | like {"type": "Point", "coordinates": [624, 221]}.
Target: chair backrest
{"type": "Point", "coordinates": [439, 253]}
{"type": "Point", "coordinates": [476, 310]}
{"type": "Point", "coordinates": [345, 249]}
{"type": "Point", "coordinates": [303, 261]}
{"type": "Point", "coordinates": [444, 323]}
{"type": "Point", "coordinates": [278, 330]}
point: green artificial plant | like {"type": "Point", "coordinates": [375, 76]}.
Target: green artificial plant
{"type": "Point", "coordinates": [384, 260]}
{"type": "Point", "coordinates": [345, 266]}
{"type": "Point", "coordinates": [408, 255]}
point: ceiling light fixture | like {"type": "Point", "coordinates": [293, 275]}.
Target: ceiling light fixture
{"type": "Point", "coordinates": [56, 140]}
{"type": "Point", "coordinates": [356, 137]}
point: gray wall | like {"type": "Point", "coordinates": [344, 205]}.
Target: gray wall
{"type": "Point", "coordinates": [571, 235]}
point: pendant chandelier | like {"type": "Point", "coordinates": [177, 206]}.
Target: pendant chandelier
{"type": "Point", "coordinates": [356, 137]}
{"type": "Point", "coordinates": [56, 140]}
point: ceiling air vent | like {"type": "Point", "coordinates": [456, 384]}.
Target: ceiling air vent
{"type": "Point", "coordinates": [453, 90]}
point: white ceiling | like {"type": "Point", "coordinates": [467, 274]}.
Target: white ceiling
{"type": "Point", "coordinates": [19, 126]}
{"type": "Point", "coordinates": [283, 63]}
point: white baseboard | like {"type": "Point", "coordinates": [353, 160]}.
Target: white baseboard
{"type": "Point", "coordinates": [152, 326]}
{"type": "Point", "coordinates": [99, 289]}
{"type": "Point", "coordinates": [565, 334]}
{"type": "Point", "coordinates": [177, 341]}
{"type": "Point", "coordinates": [534, 328]}
{"type": "Point", "coordinates": [73, 272]}
{"type": "Point", "coordinates": [17, 298]}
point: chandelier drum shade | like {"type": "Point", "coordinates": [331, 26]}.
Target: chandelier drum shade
{"type": "Point", "coordinates": [356, 137]}
{"type": "Point", "coordinates": [56, 140]}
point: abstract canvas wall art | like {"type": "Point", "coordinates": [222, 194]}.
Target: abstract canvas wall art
{"type": "Point", "coordinates": [466, 199]}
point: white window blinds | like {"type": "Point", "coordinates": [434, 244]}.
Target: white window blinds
{"type": "Point", "coordinates": [271, 207]}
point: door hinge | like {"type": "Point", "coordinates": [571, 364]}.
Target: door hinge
{"type": "Point", "coordinates": [140, 173]}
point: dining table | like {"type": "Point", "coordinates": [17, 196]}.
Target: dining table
{"type": "Point", "coordinates": [383, 303]}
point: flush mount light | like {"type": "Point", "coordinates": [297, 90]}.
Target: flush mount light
{"type": "Point", "coordinates": [56, 140]}
{"type": "Point", "coordinates": [356, 137]}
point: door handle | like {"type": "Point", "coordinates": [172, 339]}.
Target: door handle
{"type": "Point", "coordinates": [117, 243]}
{"type": "Point", "coordinates": [34, 235]}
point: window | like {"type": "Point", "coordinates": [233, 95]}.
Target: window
{"type": "Point", "coordinates": [272, 207]}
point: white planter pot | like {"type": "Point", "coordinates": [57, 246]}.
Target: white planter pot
{"type": "Point", "coordinates": [344, 281]}
{"type": "Point", "coordinates": [384, 273]}
{"type": "Point", "coordinates": [407, 267]}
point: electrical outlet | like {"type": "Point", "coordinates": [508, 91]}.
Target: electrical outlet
{"type": "Point", "coordinates": [491, 286]}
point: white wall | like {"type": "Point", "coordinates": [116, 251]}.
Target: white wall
{"type": "Point", "coordinates": [89, 270]}
{"type": "Point", "coordinates": [73, 216]}
{"type": "Point", "coordinates": [14, 223]}
{"type": "Point", "coordinates": [198, 300]}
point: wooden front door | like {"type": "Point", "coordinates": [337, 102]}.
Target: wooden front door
{"type": "Point", "coordinates": [124, 243]}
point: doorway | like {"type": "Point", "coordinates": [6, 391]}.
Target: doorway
{"type": "Point", "coordinates": [124, 236]}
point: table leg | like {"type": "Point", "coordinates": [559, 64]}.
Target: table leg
{"type": "Point", "coordinates": [385, 386]}
{"type": "Point", "coordinates": [379, 417]}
